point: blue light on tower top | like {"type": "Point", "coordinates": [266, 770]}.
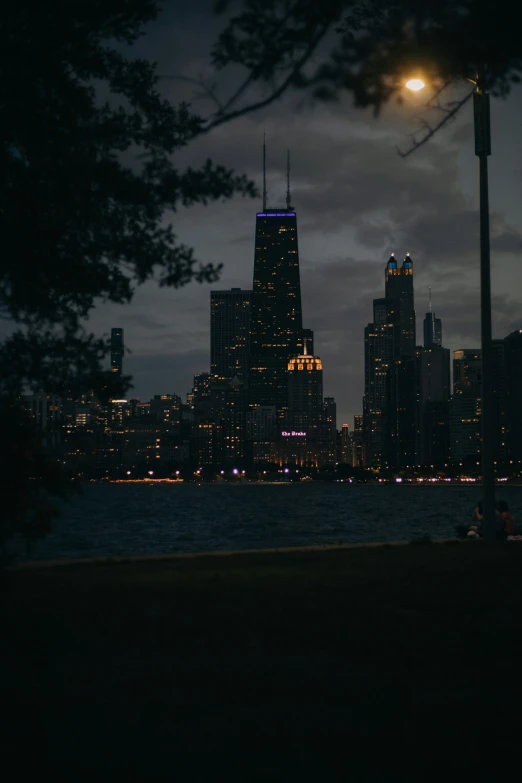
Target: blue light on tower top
{"type": "Point", "coordinates": [275, 214]}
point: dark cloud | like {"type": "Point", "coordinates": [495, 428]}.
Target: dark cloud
{"type": "Point", "coordinates": [143, 320]}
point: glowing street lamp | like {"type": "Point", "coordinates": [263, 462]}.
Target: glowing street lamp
{"type": "Point", "coordinates": [482, 151]}
{"type": "Point", "coordinates": [415, 85]}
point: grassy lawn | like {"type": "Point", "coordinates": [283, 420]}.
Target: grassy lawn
{"type": "Point", "coordinates": [392, 663]}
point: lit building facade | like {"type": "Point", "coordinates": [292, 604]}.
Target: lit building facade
{"type": "Point", "coordinates": [433, 394]}
{"type": "Point", "coordinates": [390, 421]}
{"type": "Point", "coordinates": [432, 330]}
{"type": "Point", "coordinates": [305, 396]}
{"type": "Point", "coordinates": [276, 323]}
{"type": "Point", "coordinates": [206, 443]}
{"type": "Point", "coordinates": [466, 405]}
{"type": "Point", "coordinates": [330, 419]}
{"type": "Point", "coordinates": [230, 313]}
{"type": "Point", "coordinates": [381, 347]}
{"type": "Point", "coordinates": [229, 410]}
{"type": "Point", "coordinates": [346, 450]}
{"type": "Point", "coordinates": [358, 442]}
{"type": "Point", "coordinates": [117, 352]}
{"type": "Point", "coordinates": [46, 412]}
{"type": "Point", "coordinates": [399, 287]}
{"type": "Point", "coordinates": [513, 365]}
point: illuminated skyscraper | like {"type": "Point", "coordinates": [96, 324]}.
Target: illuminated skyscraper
{"type": "Point", "coordinates": [276, 323]}
{"type": "Point", "coordinates": [305, 396]}
{"type": "Point", "coordinates": [513, 366]}
{"type": "Point", "coordinates": [433, 393]}
{"type": "Point", "coordinates": [358, 445]}
{"type": "Point", "coordinates": [330, 423]}
{"type": "Point", "coordinates": [230, 332]}
{"type": "Point", "coordinates": [399, 286]}
{"type": "Point", "coordinates": [117, 351]}
{"type": "Point", "coordinates": [466, 405]}
{"type": "Point", "coordinates": [381, 345]}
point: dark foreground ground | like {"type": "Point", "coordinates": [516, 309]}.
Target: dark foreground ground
{"type": "Point", "coordinates": [396, 663]}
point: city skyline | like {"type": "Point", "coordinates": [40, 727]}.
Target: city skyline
{"type": "Point", "coordinates": [357, 202]}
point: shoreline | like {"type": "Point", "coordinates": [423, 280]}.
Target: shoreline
{"type": "Point", "coordinates": [129, 559]}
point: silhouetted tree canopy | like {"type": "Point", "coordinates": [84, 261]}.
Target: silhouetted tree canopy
{"type": "Point", "coordinates": [88, 177]}
{"type": "Point", "coordinates": [365, 47]}
{"type": "Point", "coordinates": [87, 180]}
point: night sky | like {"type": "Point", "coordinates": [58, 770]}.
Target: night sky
{"type": "Point", "coordinates": [356, 202]}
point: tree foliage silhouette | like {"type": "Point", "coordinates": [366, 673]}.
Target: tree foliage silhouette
{"type": "Point", "coordinates": [88, 182]}
{"type": "Point", "coordinates": [364, 47]}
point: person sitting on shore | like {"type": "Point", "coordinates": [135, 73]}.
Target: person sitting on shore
{"type": "Point", "coordinates": [506, 523]}
{"type": "Point", "coordinates": [473, 530]}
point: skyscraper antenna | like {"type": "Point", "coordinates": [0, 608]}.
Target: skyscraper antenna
{"type": "Point", "coordinates": [429, 287]}
{"type": "Point", "coordinates": [264, 172]}
{"type": "Point", "coordinates": [288, 200]}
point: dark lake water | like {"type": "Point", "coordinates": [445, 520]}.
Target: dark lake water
{"type": "Point", "coordinates": [132, 519]}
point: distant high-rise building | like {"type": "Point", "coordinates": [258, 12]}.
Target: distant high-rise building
{"type": "Point", "coordinates": [346, 455]}
{"type": "Point", "coordinates": [206, 443]}
{"type": "Point", "coordinates": [390, 422]}
{"type": "Point", "coordinates": [228, 408]}
{"type": "Point", "coordinates": [262, 423]}
{"type": "Point", "coordinates": [432, 328]}
{"type": "Point", "coordinates": [117, 351]}
{"type": "Point", "coordinates": [200, 397]}
{"type": "Point", "coordinates": [465, 405]}
{"type": "Point", "coordinates": [276, 323]}
{"type": "Point", "coordinates": [381, 347]}
{"type": "Point", "coordinates": [500, 395]}
{"type": "Point", "coordinates": [433, 393]}
{"type": "Point", "coordinates": [404, 414]}
{"type": "Point", "coordinates": [399, 286]}
{"type": "Point", "coordinates": [305, 396]}
{"type": "Point", "coordinates": [513, 369]}
{"type": "Point", "coordinates": [230, 333]}
{"type": "Point", "coordinates": [358, 445]}
{"type": "Point", "coordinates": [330, 419]}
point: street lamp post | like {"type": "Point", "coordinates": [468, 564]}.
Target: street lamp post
{"type": "Point", "coordinates": [482, 151]}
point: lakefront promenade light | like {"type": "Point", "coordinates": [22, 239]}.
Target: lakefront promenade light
{"type": "Point", "coordinates": [482, 151]}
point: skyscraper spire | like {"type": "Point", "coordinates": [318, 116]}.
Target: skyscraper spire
{"type": "Point", "coordinates": [288, 200]}
{"type": "Point", "coordinates": [264, 172]}
{"type": "Point", "coordinates": [429, 287]}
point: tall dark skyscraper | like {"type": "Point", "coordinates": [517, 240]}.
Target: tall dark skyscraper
{"type": "Point", "coordinates": [276, 323]}
{"type": "Point", "coordinates": [513, 364]}
{"type": "Point", "coordinates": [466, 405]}
{"type": "Point", "coordinates": [433, 393]}
{"type": "Point", "coordinates": [399, 286]}
{"type": "Point", "coordinates": [390, 397]}
{"type": "Point", "coordinates": [230, 333]}
{"type": "Point", "coordinates": [381, 341]}
{"type": "Point", "coordinates": [432, 328]}
{"type": "Point", "coordinates": [117, 351]}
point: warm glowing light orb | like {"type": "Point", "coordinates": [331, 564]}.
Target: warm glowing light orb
{"type": "Point", "coordinates": [415, 85]}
